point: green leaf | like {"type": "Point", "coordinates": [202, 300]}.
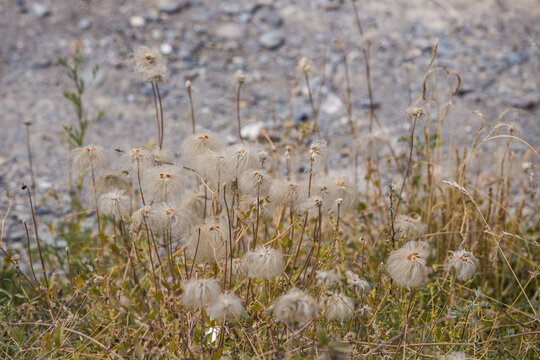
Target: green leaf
{"type": "Point", "coordinates": [95, 71]}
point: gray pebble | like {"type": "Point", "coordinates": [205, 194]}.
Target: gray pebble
{"type": "Point", "coordinates": [41, 10]}
{"type": "Point", "coordinates": [271, 40]}
{"type": "Point", "coordinates": [83, 24]}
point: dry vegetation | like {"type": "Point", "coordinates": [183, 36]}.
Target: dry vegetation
{"type": "Point", "coordinates": [420, 247]}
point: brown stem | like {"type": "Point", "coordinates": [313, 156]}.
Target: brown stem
{"type": "Point", "coordinates": [192, 110]}
{"type": "Point", "coordinates": [157, 114]}
{"type": "Point", "coordinates": [238, 111]}
{"type": "Point", "coordinates": [29, 150]}
{"type": "Point", "coordinates": [161, 112]}
{"type": "Point", "coordinates": [34, 220]}
{"type": "Point", "coordinates": [29, 252]}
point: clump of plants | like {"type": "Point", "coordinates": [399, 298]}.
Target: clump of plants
{"type": "Point", "coordinates": [230, 251]}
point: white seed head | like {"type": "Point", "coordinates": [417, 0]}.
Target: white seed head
{"type": "Point", "coordinates": [199, 143]}
{"type": "Point", "coordinates": [263, 263]}
{"type": "Point", "coordinates": [161, 157]}
{"type": "Point", "coordinates": [140, 159]}
{"type": "Point", "coordinates": [114, 203]}
{"type": "Point", "coordinates": [254, 183]}
{"type": "Point", "coordinates": [295, 308]}
{"type": "Point", "coordinates": [347, 191]}
{"type": "Point", "coordinates": [303, 65]}
{"type": "Point", "coordinates": [328, 279]}
{"type": "Point", "coordinates": [325, 188]}
{"type": "Point", "coordinates": [198, 293]}
{"type": "Point", "coordinates": [164, 218]}
{"type": "Point", "coordinates": [139, 219]}
{"type": "Point", "coordinates": [357, 283]}
{"type": "Point", "coordinates": [286, 193]}
{"type": "Point", "coordinates": [193, 204]}
{"type": "Point", "coordinates": [318, 155]}
{"type": "Point", "coordinates": [211, 245]}
{"type": "Point", "coordinates": [407, 265]}
{"type": "Point", "coordinates": [411, 227]}
{"type": "Point", "coordinates": [87, 158]}
{"type": "Point", "coordinates": [226, 307]}
{"type": "Point", "coordinates": [462, 263]}
{"type": "Point", "coordinates": [107, 181]}
{"type": "Point", "coordinates": [164, 182]}
{"type": "Point", "coordinates": [338, 307]}
{"type": "Point", "coordinates": [242, 157]}
{"type": "Point", "coordinates": [150, 65]}
{"type": "Point", "coordinates": [213, 168]}
{"type": "Point", "coordinates": [311, 206]}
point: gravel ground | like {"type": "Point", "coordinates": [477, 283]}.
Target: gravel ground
{"type": "Point", "coordinates": [492, 44]}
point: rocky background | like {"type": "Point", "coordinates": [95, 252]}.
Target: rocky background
{"type": "Point", "coordinates": [494, 45]}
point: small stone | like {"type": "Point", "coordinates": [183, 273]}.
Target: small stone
{"type": "Point", "coordinates": [366, 104]}
{"type": "Point", "coordinates": [252, 131]}
{"type": "Point", "coordinates": [41, 10]}
{"type": "Point", "coordinates": [173, 6]}
{"type": "Point", "coordinates": [332, 104]}
{"type": "Point", "coordinates": [271, 40]}
{"type": "Point", "coordinates": [166, 48]}
{"type": "Point", "coordinates": [83, 24]}
{"type": "Point", "coordinates": [270, 17]}
{"type": "Point", "coordinates": [137, 21]}
{"type": "Point", "coordinates": [230, 31]}
{"type": "Point", "coordinates": [515, 58]}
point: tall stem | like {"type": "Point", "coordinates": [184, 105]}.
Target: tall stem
{"type": "Point", "coordinates": [34, 220]}
{"type": "Point", "coordinates": [238, 110]}
{"type": "Point", "coordinates": [157, 114]}
{"type": "Point", "coordinates": [97, 214]}
{"type": "Point", "coordinates": [161, 112]}
{"type": "Point", "coordinates": [29, 150]}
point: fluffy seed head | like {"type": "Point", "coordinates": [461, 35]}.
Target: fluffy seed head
{"type": "Point", "coordinates": [462, 263]}
{"type": "Point", "coordinates": [212, 167]}
{"type": "Point", "coordinates": [199, 143]}
{"type": "Point", "coordinates": [338, 307]}
{"type": "Point", "coordinates": [139, 218]}
{"type": "Point", "coordinates": [88, 158]}
{"type": "Point", "coordinates": [161, 157]}
{"type": "Point", "coordinates": [140, 159]}
{"type": "Point", "coordinates": [327, 189]}
{"type": "Point", "coordinates": [226, 307]}
{"type": "Point", "coordinates": [255, 183]}
{"type": "Point", "coordinates": [114, 203]}
{"type": "Point", "coordinates": [164, 182]}
{"type": "Point", "coordinates": [311, 206]}
{"type": "Point", "coordinates": [285, 193]}
{"type": "Point", "coordinates": [407, 265]}
{"type": "Point", "coordinates": [211, 245]}
{"type": "Point", "coordinates": [111, 180]}
{"type": "Point", "coordinates": [356, 283]}
{"type": "Point", "coordinates": [240, 77]}
{"type": "Point", "coordinates": [263, 263]}
{"type": "Point", "coordinates": [150, 65]}
{"type": "Point", "coordinates": [295, 308]}
{"type": "Point", "coordinates": [242, 157]}
{"type": "Point", "coordinates": [346, 190]}
{"type": "Point", "coordinates": [411, 227]}
{"type": "Point", "coordinates": [163, 218]}
{"type": "Point", "coordinates": [200, 292]}
{"type": "Point", "coordinates": [303, 65]}
{"type": "Point", "coordinates": [318, 153]}
{"type": "Point", "coordinates": [328, 279]}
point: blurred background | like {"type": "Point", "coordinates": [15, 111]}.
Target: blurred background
{"type": "Point", "coordinates": [493, 45]}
